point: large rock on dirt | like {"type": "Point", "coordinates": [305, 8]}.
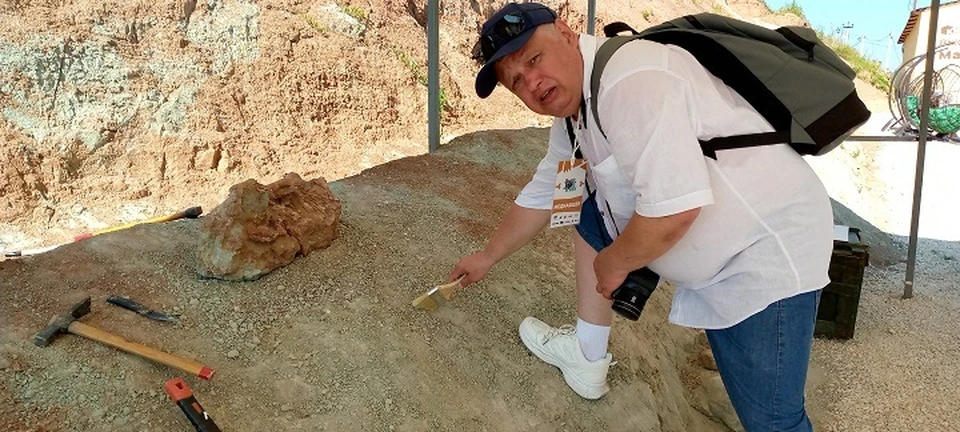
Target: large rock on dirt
{"type": "Point", "coordinates": [260, 228]}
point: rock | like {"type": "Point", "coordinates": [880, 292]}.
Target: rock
{"type": "Point", "coordinates": [706, 360]}
{"type": "Point", "coordinates": [332, 17]}
{"type": "Point", "coordinates": [716, 402]}
{"type": "Point", "coordinates": [233, 354]}
{"type": "Point", "coordinates": [260, 228]}
{"type": "Point", "coordinates": [701, 339]}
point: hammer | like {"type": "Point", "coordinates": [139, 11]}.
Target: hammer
{"type": "Point", "coordinates": [68, 323]}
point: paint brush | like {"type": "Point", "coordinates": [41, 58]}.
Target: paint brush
{"type": "Point", "coordinates": [436, 296]}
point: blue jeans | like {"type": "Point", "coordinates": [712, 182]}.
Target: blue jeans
{"type": "Point", "coordinates": [763, 363]}
{"type": "Point", "coordinates": [591, 227]}
{"type": "Point", "coordinates": [762, 360]}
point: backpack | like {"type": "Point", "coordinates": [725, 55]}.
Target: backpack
{"type": "Point", "coordinates": [798, 84]}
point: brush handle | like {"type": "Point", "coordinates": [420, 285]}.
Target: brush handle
{"type": "Point", "coordinates": [447, 289]}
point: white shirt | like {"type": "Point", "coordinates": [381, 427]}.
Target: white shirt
{"type": "Point", "coordinates": [764, 232]}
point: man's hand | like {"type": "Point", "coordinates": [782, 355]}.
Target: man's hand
{"type": "Point", "coordinates": [609, 277]}
{"type": "Point", "coordinates": [473, 268]}
{"type": "Point", "coordinates": [642, 241]}
{"type": "Point", "coordinates": [517, 228]}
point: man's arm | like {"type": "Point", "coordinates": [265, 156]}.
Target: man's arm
{"type": "Point", "coordinates": [643, 240]}
{"type": "Point", "coordinates": [518, 227]}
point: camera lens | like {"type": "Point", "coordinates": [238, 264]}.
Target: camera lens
{"type": "Point", "coordinates": [632, 295]}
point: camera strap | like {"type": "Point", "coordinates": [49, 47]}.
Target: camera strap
{"type": "Point", "coordinates": [579, 155]}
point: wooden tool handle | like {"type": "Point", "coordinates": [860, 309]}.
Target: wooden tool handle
{"type": "Point", "coordinates": [448, 289]}
{"type": "Point", "coordinates": [189, 366]}
{"type": "Point", "coordinates": [191, 213]}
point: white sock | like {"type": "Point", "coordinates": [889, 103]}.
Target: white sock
{"type": "Point", "coordinates": [593, 339]}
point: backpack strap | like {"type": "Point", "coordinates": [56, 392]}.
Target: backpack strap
{"type": "Point", "coordinates": [615, 28]}
{"type": "Point", "coordinates": [602, 57]}
{"type": "Point", "coordinates": [719, 62]}
{"type": "Point", "coordinates": [799, 41]}
{"type": "Point", "coordinates": [711, 147]}
{"type": "Point", "coordinates": [694, 22]}
{"type": "Point", "coordinates": [599, 62]}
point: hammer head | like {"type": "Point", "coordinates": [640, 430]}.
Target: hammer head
{"type": "Point", "coordinates": [60, 323]}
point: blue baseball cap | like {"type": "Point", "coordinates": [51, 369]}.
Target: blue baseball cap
{"type": "Point", "coordinates": [505, 33]}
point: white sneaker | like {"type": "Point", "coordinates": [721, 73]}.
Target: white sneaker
{"type": "Point", "coordinates": [561, 348]}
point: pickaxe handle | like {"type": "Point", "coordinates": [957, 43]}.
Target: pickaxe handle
{"type": "Point", "coordinates": [188, 366]}
{"type": "Point", "coordinates": [191, 213]}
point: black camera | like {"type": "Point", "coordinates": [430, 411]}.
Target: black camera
{"type": "Point", "coordinates": [630, 297]}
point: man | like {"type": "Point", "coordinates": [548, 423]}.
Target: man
{"type": "Point", "coordinates": [746, 239]}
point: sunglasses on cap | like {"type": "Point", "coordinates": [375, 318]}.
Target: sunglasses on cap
{"type": "Point", "coordinates": [507, 28]}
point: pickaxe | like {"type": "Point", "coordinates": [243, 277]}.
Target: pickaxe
{"type": "Point", "coordinates": [191, 213]}
{"type": "Point", "coordinates": [67, 323]}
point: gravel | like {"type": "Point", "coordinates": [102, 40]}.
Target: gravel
{"type": "Point", "coordinates": [899, 372]}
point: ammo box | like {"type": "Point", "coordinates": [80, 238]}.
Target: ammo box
{"type": "Point", "coordinates": [837, 314]}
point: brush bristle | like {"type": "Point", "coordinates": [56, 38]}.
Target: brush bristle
{"type": "Point", "coordinates": [425, 302]}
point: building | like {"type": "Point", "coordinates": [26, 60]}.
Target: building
{"type": "Point", "coordinates": [915, 34]}
{"type": "Point", "coordinates": [908, 80]}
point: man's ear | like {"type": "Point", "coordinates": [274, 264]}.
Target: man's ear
{"type": "Point", "coordinates": [566, 32]}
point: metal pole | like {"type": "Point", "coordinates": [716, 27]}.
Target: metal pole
{"type": "Point", "coordinates": [881, 138]}
{"type": "Point", "coordinates": [591, 15]}
{"type": "Point", "coordinates": [921, 149]}
{"type": "Point", "coordinates": [433, 73]}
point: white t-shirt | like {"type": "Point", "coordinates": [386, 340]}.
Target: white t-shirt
{"type": "Point", "coordinates": [765, 228]}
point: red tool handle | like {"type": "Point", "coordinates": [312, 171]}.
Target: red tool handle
{"type": "Point", "coordinates": [178, 389]}
{"type": "Point", "coordinates": [181, 394]}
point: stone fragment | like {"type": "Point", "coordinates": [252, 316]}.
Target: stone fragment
{"type": "Point", "coordinates": [706, 360]}
{"type": "Point", "coordinates": [260, 228]}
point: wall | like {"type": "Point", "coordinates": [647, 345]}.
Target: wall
{"type": "Point", "coordinates": [947, 33]}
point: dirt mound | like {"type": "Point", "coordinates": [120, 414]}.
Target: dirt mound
{"type": "Point", "coordinates": [331, 341]}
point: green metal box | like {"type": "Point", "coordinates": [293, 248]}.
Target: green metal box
{"type": "Point", "coordinates": [837, 314]}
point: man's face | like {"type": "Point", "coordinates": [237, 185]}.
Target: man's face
{"type": "Point", "coordinates": [547, 72]}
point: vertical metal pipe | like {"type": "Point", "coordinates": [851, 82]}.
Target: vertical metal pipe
{"type": "Point", "coordinates": [591, 15]}
{"type": "Point", "coordinates": [433, 73]}
{"type": "Point", "coordinates": [921, 148]}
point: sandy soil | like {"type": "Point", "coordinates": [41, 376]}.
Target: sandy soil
{"type": "Point", "coordinates": [331, 342]}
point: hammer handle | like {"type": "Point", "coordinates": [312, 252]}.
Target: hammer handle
{"type": "Point", "coordinates": [188, 366]}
